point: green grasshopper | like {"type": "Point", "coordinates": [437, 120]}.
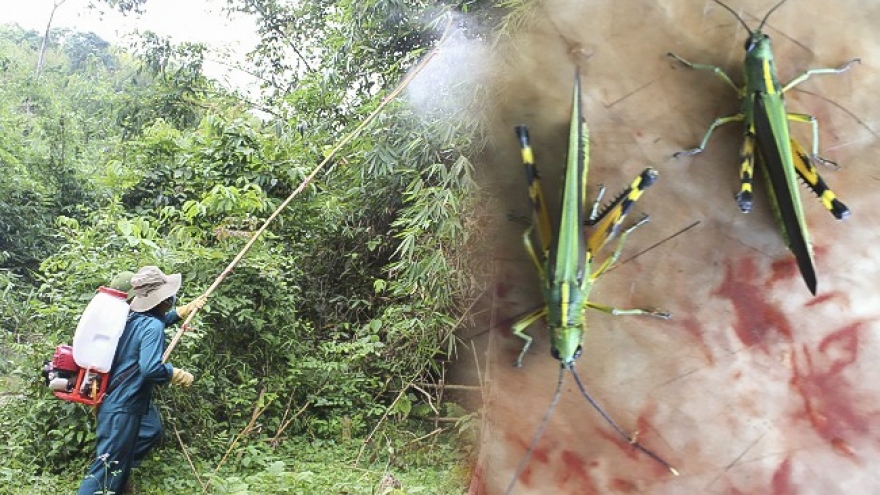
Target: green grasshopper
{"type": "Point", "coordinates": [565, 260]}
{"type": "Point", "coordinates": [766, 128]}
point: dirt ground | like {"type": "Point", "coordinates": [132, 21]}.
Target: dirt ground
{"type": "Point", "coordinates": [754, 386]}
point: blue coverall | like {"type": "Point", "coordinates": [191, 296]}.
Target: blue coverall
{"type": "Point", "coordinates": [128, 424]}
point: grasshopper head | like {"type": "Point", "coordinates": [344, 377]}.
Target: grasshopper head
{"type": "Point", "coordinates": [758, 44]}
{"type": "Point", "coordinates": [565, 344]}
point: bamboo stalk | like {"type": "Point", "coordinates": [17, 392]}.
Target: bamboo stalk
{"type": "Point", "coordinates": [255, 415]}
{"type": "Point", "coordinates": [449, 386]}
{"type": "Point", "coordinates": [189, 459]}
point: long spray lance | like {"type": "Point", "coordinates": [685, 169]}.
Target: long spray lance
{"type": "Point", "coordinates": [388, 99]}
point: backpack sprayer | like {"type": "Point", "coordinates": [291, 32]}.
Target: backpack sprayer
{"type": "Point", "coordinates": [80, 373]}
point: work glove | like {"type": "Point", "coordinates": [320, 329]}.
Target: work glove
{"type": "Point", "coordinates": [181, 377]}
{"type": "Point", "coordinates": [195, 304]}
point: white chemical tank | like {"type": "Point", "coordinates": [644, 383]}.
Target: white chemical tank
{"type": "Point", "coordinates": [99, 328]}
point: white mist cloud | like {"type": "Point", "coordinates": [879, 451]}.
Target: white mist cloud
{"type": "Point", "coordinates": [447, 86]}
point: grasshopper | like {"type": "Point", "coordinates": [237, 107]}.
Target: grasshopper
{"type": "Point", "coordinates": [564, 262]}
{"type": "Point", "coordinates": [766, 129]}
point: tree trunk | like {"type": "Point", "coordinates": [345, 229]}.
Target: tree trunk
{"type": "Point", "coordinates": [55, 5]}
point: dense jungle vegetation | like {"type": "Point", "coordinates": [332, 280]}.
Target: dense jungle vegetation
{"type": "Point", "coordinates": [119, 157]}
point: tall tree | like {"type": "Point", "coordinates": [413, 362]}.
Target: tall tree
{"type": "Point", "coordinates": [55, 5]}
{"type": "Point", "coordinates": [124, 6]}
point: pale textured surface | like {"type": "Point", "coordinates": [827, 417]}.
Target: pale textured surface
{"type": "Point", "coordinates": [753, 386]}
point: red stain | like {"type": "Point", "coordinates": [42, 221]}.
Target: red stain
{"type": "Point", "coordinates": [782, 270]}
{"type": "Point", "coordinates": [643, 427]}
{"type": "Point", "coordinates": [642, 422]}
{"type": "Point", "coordinates": [618, 485]}
{"type": "Point", "coordinates": [575, 469]}
{"type": "Point", "coordinates": [621, 443]}
{"type": "Point", "coordinates": [521, 444]}
{"type": "Point", "coordinates": [829, 402]}
{"type": "Point", "coordinates": [525, 478]}
{"type": "Point", "coordinates": [625, 446]}
{"type": "Point", "coordinates": [786, 268]}
{"type": "Point", "coordinates": [756, 317]}
{"type": "Point", "coordinates": [842, 447]}
{"type": "Point", "coordinates": [822, 299]}
{"type": "Point", "coordinates": [843, 343]}
{"type": "Point", "coordinates": [691, 326]}
{"type": "Point", "coordinates": [539, 456]}
{"type": "Point", "coordinates": [781, 484]}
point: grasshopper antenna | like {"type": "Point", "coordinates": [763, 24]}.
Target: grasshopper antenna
{"type": "Point", "coordinates": [525, 460]}
{"type": "Point", "coordinates": [655, 245]}
{"type": "Point", "coordinates": [740, 19]}
{"type": "Point", "coordinates": [770, 12]}
{"type": "Point", "coordinates": [631, 439]}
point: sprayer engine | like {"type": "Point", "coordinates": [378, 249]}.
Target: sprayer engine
{"type": "Point", "coordinates": [70, 382]}
{"type": "Point", "coordinates": [60, 373]}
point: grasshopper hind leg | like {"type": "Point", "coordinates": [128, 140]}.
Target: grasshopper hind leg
{"type": "Point", "coordinates": [808, 173]}
{"type": "Point", "coordinates": [803, 163]}
{"type": "Point", "coordinates": [616, 210]}
{"type": "Point", "coordinates": [746, 172]}
{"type": "Point", "coordinates": [609, 221]}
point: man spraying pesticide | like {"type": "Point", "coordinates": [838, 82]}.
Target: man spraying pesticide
{"type": "Point", "coordinates": [128, 425]}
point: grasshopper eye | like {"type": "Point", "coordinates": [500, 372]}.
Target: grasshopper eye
{"type": "Point", "coordinates": [749, 44]}
{"type": "Point", "coordinates": [578, 352]}
{"type": "Point", "coordinates": [555, 353]}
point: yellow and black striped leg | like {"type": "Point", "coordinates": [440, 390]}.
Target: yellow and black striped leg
{"type": "Point", "coordinates": [807, 171]}
{"type": "Point", "coordinates": [746, 171]}
{"type": "Point", "coordinates": [536, 195]}
{"type": "Point", "coordinates": [607, 222]}
{"type": "Point", "coordinates": [634, 311]}
{"type": "Point", "coordinates": [519, 330]}
{"type": "Point", "coordinates": [720, 121]}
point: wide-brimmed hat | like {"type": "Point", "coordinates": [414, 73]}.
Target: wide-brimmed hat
{"type": "Point", "coordinates": [122, 282]}
{"type": "Point", "coordinates": [151, 287]}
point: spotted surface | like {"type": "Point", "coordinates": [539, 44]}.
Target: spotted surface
{"type": "Point", "coordinates": [754, 386]}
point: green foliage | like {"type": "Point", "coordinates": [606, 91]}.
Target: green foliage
{"type": "Point", "coordinates": [167, 85]}
{"type": "Point", "coordinates": [360, 45]}
{"type": "Point", "coordinates": [297, 468]}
